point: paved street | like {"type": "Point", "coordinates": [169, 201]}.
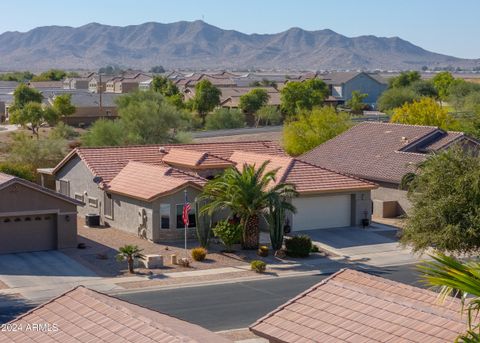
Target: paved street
{"type": "Point", "coordinates": [237, 305]}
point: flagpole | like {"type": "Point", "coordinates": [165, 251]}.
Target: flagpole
{"type": "Point", "coordinates": [185, 204]}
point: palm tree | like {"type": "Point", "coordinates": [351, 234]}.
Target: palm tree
{"type": "Point", "coordinates": [129, 253]}
{"type": "Point", "coordinates": [461, 280]}
{"type": "Point", "coordinates": [247, 193]}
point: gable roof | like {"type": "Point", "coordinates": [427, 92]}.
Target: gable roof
{"type": "Point", "coordinates": [7, 180]}
{"type": "Point", "coordinates": [84, 315]}
{"type": "Point", "coordinates": [381, 151]}
{"type": "Point", "coordinates": [352, 306]}
{"type": "Point", "coordinates": [194, 159]}
{"type": "Point", "coordinates": [147, 182]}
{"type": "Point", "coordinates": [107, 162]}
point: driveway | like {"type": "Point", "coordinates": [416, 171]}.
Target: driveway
{"type": "Point", "coordinates": [37, 274]}
{"type": "Point", "coordinates": [376, 246]}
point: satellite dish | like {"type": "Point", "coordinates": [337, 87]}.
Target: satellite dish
{"type": "Point", "coordinates": [97, 179]}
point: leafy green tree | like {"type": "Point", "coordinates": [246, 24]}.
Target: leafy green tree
{"type": "Point", "coordinates": [19, 170]}
{"type": "Point", "coordinates": [206, 98]}
{"type": "Point", "coordinates": [51, 75]}
{"type": "Point", "coordinates": [110, 70]}
{"type": "Point", "coordinates": [129, 253]}
{"type": "Point", "coordinates": [230, 233]}
{"type": "Point", "coordinates": [424, 88]}
{"type": "Point", "coordinates": [313, 128]}
{"type": "Point", "coordinates": [62, 104]}
{"type": "Point", "coordinates": [247, 193]}
{"type": "Point", "coordinates": [63, 131]}
{"type": "Point", "coordinates": [157, 69]}
{"type": "Point", "coordinates": [252, 101]}
{"type": "Point", "coordinates": [458, 91]}
{"type": "Point", "coordinates": [164, 86]}
{"type": "Point", "coordinates": [405, 79]}
{"type": "Point", "coordinates": [442, 82]}
{"type": "Point", "coordinates": [425, 111]}
{"type": "Point", "coordinates": [355, 103]}
{"type": "Point", "coordinates": [224, 118]}
{"type": "Point", "coordinates": [457, 278]}
{"type": "Point", "coordinates": [395, 97]}
{"type": "Point", "coordinates": [445, 198]}
{"type": "Point", "coordinates": [268, 115]}
{"type": "Point", "coordinates": [19, 76]}
{"type": "Point", "coordinates": [297, 96]}
{"type": "Point", "coordinates": [23, 95]}
{"type": "Point", "coordinates": [105, 132]}
{"type": "Point", "coordinates": [33, 115]}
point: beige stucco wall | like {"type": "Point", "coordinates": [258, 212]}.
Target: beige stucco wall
{"type": "Point", "coordinates": [390, 193]}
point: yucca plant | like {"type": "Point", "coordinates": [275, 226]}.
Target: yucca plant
{"type": "Point", "coordinates": [129, 253]}
{"type": "Point", "coordinates": [460, 279]}
{"type": "Point", "coordinates": [204, 226]}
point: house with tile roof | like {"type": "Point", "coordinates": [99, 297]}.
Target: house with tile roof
{"type": "Point", "coordinates": [352, 306]}
{"type": "Point", "coordinates": [140, 189]}
{"type": "Point", "coordinates": [85, 315]}
{"type": "Point", "coordinates": [384, 153]}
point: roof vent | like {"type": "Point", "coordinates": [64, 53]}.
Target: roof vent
{"type": "Point", "coordinates": [162, 150]}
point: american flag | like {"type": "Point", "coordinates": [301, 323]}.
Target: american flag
{"type": "Point", "coordinates": [186, 209]}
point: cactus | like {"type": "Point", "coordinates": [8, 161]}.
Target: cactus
{"type": "Point", "coordinates": [276, 218]}
{"type": "Point", "coordinates": [204, 224]}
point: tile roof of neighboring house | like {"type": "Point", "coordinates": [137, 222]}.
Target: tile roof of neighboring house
{"type": "Point", "coordinates": [338, 78]}
{"type": "Point", "coordinates": [306, 177]}
{"type": "Point", "coordinates": [84, 315]}
{"type": "Point", "coordinates": [352, 306]}
{"type": "Point", "coordinates": [7, 180]}
{"type": "Point", "coordinates": [46, 84]}
{"type": "Point", "coordinates": [147, 182]}
{"type": "Point", "coordinates": [107, 162]}
{"type": "Point", "coordinates": [194, 159]}
{"type": "Point", "coordinates": [381, 151]}
{"type": "Point", "coordinates": [87, 99]}
{"type": "Point", "coordinates": [231, 95]}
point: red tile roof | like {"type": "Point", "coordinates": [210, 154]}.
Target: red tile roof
{"type": "Point", "coordinates": [380, 151]}
{"type": "Point", "coordinates": [84, 315]}
{"type": "Point", "coordinates": [147, 182]}
{"type": "Point", "coordinates": [194, 159]}
{"type": "Point", "coordinates": [352, 306]}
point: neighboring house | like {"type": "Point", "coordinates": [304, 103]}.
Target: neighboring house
{"type": "Point", "coordinates": [223, 79]}
{"type": "Point", "coordinates": [85, 315]}
{"type": "Point", "coordinates": [78, 82]}
{"type": "Point", "coordinates": [89, 107]}
{"type": "Point", "coordinates": [126, 84]}
{"type": "Point", "coordinates": [352, 306]}
{"type": "Point", "coordinates": [34, 218]}
{"type": "Point", "coordinates": [140, 189]}
{"type": "Point", "coordinates": [46, 85]}
{"type": "Point", "coordinates": [145, 85]}
{"type": "Point", "coordinates": [98, 83]}
{"type": "Point", "coordinates": [384, 153]}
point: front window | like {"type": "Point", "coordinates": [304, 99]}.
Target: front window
{"type": "Point", "coordinates": [191, 217]}
{"type": "Point", "coordinates": [64, 187]}
{"type": "Point", "coordinates": [165, 216]}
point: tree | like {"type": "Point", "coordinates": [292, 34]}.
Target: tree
{"type": "Point", "coordinates": [23, 95]}
{"type": "Point", "coordinates": [62, 104]}
{"type": "Point", "coordinates": [23, 171]}
{"type": "Point", "coordinates": [458, 91]}
{"type": "Point", "coordinates": [224, 118]}
{"type": "Point", "coordinates": [297, 96]}
{"type": "Point", "coordinates": [105, 132]}
{"type": "Point", "coordinates": [457, 278]}
{"type": "Point", "coordinates": [129, 253]}
{"type": "Point", "coordinates": [247, 193]}
{"type": "Point", "coordinates": [157, 69]}
{"type": "Point", "coordinates": [19, 76]}
{"type": "Point", "coordinates": [424, 88]}
{"type": "Point", "coordinates": [252, 101]}
{"type": "Point", "coordinates": [206, 98]}
{"type": "Point", "coordinates": [313, 128]}
{"type": "Point", "coordinates": [405, 79]}
{"type": "Point", "coordinates": [33, 115]}
{"type": "Point", "coordinates": [164, 86]}
{"type": "Point", "coordinates": [442, 82]}
{"type": "Point", "coordinates": [355, 103]}
{"type": "Point", "coordinates": [445, 198]}
{"type": "Point", "coordinates": [50, 75]}
{"type": "Point", "coordinates": [110, 70]}
{"type": "Point", "coordinates": [425, 111]}
{"type": "Point", "coordinates": [395, 97]}
{"type": "Point", "coordinates": [268, 115]}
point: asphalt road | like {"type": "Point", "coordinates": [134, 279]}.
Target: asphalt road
{"type": "Point", "coordinates": [237, 305]}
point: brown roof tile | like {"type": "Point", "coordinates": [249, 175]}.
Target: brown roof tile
{"type": "Point", "coordinates": [358, 307]}
{"type": "Point", "coordinates": [120, 322]}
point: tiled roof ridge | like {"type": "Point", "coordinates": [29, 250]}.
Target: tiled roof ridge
{"type": "Point", "coordinates": [399, 124]}
{"type": "Point", "coordinates": [168, 145]}
{"type": "Point", "coordinates": [287, 171]}
{"type": "Point", "coordinates": [337, 172]}
{"type": "Point", "coordinates": [184, 172]}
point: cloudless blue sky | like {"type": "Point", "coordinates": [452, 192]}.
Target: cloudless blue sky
{"type": "Point", "coordinates": [444, 26]}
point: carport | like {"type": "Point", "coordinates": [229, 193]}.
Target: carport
{"type": "Point", "coordinates": [33, 218]}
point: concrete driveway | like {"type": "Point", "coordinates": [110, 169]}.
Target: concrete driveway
{"type": "Point", "coordinates": [37, 274]}
{"type": "Point", "coordinates": [376, 246]}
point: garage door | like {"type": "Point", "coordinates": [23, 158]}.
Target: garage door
{"type": "Point", "coordinates": [322, 212]}
{"type": "Point", "coordinates": [28, 233]}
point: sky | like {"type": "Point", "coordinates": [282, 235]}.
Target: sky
{"type": "Point", "coordinates": [444, 26]}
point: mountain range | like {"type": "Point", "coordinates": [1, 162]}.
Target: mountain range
{"type": "Point", "coordinates": [198, 45]}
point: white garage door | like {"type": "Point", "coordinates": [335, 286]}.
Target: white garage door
{"type": "Point", "coordinates": [322, 212]}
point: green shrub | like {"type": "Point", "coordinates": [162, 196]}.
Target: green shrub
{"type": "Point", "coordinates": [199, 254]}
{"type": "Point", "coordinates": [298, 246]}
{"type": "Point", "coordinates": [224, 118]}
{"type": "Point", "coordinates": [228, 232]}
{"type": "Point", "coordinates": [258, 266]}
{"type": "Point", "coordinates": [63, 131]}
{"type": "Point", "coordinates": [314, 248]}
{"type": "Point", "coordinates": [23, 171]}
